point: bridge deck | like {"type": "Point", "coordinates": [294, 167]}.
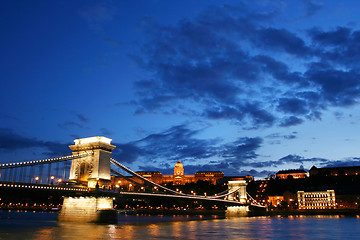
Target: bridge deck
{"type": "Point", "coordinates": [87, 191]}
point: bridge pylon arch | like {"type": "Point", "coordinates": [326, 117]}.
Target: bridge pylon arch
{"type": "Point", "coordinates": [93, 169]}
{"type": "Point", "coordinates": [239, 194]}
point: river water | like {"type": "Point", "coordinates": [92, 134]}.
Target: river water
{"type": "Point", "coordinates": [43, 226]}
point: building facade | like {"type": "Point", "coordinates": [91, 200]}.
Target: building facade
{"type": "Point", "coordinates": [335, 171]}
{"type": "Point", "coordinates": [275, 200]}
{"type": "Point", "coordinates": [178, 178]}
{"type": "Point", "coordinates": [293, 173]}
{"type": "Point", "coordinates": [316, 200]}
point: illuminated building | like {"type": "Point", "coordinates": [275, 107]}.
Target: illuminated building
{"type": "Point", "coordinates": [316, 200]}
{"type": "Point", "coordinates": [294, 173]}
{"type": "Point", "coordinates": [335, 171]}
{"type": "Point", "coordinates": [154, 176]}
{"type": "Point", "coordinates": [179, 178]}
{"type": "Point", "coordinates": [212, 177]}
{"type": "Point", "coordinates": [275, 200]}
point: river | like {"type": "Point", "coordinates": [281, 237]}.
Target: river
{"type": "Point", "coordinates": [43, 226]}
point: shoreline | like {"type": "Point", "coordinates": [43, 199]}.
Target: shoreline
{"type": "Point", "coordinates": [344, 212]}
{"type": "Point", "coordinates": [217, 212]}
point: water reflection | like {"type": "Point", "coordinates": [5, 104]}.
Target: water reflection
{"type": "Point", "coordinates": [183, 227]}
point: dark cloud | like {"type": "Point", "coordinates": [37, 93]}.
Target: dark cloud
{"type": "Point", "coordinates": [279, 70]}
{"type": "Point", "coordinates": [338, 87]}
{"type": "Point", "coordinates": [281, 136]}
{"type": "Point", "coordinates": [258, 117]}
{"type": "Point", "coordinates": [291, 121]}
{"type": "Point", "coordinates": [200, 62]}
{"type": "Point", "coordinates": [337, 37]}
{"type": "Point", "coordinates": [181, 143]}
{"type": "Point", "coordinates": [298, 159]}
{"type": "Point", "coordinates": [293, 106]}
{"type": "Point", "coordinates": [342, 163]}
{"type": "Point", "coordinates": [213, 60]}
{"type": "Point", "coordinates": [11, 141]}
{"type": "Point", "coordinates": [106, 132]}
{"type": "Point", "coordinates": [290, 136]}
{"type": "Point", "coordinates": [243, 148]}
{"type": "Point", "coordinates": [175, 143]}
{"type": "Point", "coordinates": [178, 142]}
{"type": "Point", "coordinates": [82, 118]}
{"type": "Point", "coordinates": [281, 40]}
{"type": "Point", "coordinates": [127, 152]}
{"type": "Point", "coordinates": [340, 47]}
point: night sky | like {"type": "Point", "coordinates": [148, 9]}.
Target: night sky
{"type": "Point", "coordinates": [248, 87]}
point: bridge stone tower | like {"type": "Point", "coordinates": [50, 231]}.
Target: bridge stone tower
{"type": "Point", "coordinates": [240, 196]}
{"type": "Point", "coordinates": [93, 169]}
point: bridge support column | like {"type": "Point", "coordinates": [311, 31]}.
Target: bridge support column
{"type": "Point", "coordinates": [93, 170]}
{"type": "Point", "coordinates": [88, 209]}
{"type": "Point", "coordinates": [237, 211]}
{"type": "Point", "coordinates": [239, 196]}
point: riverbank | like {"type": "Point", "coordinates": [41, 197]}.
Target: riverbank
{"type": "Point", "coordinates": [222, 213]}
{"type": "Point", "coordinates": [314, 212]}
{"type": "Point", "coordinates": [205, 212]}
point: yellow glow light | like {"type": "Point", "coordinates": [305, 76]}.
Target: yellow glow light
{"type": "Point", "coordinates": [92, 140]}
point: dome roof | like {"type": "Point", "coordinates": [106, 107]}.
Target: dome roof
{"type": "Point", "coordinates": [179, 169]}
{"type": "Point", "coordinates": [178, 164]}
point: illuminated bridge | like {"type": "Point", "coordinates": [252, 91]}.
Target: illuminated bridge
{"type": "Point", "coordinates": [89, 189]}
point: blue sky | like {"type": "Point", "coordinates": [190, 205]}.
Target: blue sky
{"type": "Point", "coordinates": [244, 87]}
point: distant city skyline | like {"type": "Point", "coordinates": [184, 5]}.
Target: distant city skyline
{"type": "Point", "coordinates": [246, 88]}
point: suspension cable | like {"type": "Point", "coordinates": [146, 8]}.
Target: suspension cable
{"type": "Point", "coordinates": [116, 163]}
{"type": "Point", "coordinates": [129, 179]}
{"type": "Point", "coordinates": [45, 161]}
{"type": "Point", "coordinates": [162, 187]}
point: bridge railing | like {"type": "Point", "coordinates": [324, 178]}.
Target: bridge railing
{"type": "Point", "coordinates": [33, 171]}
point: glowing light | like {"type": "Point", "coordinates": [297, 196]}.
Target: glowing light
{"type": "Point", "coordinates": [92, 140]}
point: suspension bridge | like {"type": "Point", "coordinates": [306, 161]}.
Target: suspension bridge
{"type": "Point", "coordinates": [89, 180]}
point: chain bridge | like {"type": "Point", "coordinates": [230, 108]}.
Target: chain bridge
{"type": "Point", "coordinates": [89, 188]}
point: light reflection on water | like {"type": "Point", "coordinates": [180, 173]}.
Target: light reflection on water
{"type": "Point", "coordinates": [43, 226]}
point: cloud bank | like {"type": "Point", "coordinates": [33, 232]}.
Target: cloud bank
{"type": "Point", "coordinates": [232, 63]}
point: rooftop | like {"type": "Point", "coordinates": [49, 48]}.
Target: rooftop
{"type": "Point", "coordinates": [291, 171]}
